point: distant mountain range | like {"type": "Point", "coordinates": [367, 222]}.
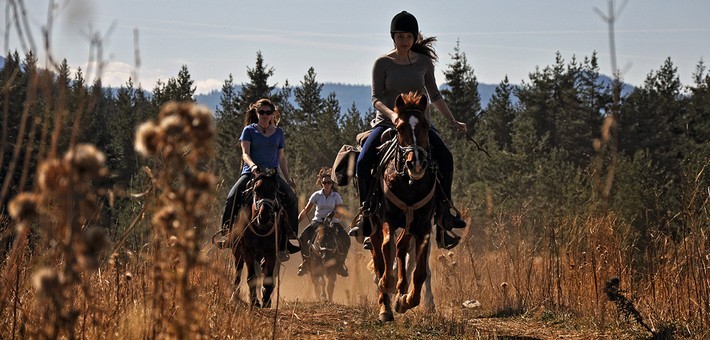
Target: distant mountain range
{"type": "Point", "coordinates": [348, 94]}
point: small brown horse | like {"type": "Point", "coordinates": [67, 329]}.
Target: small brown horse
{"type": "Point", "coordinates": [255, 236]}
{"type": "Point", "coordinates": [323, 260]}
{"type": "Point", "coordinates": [408, 183]}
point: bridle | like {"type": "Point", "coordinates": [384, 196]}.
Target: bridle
{"type": "Point", "coordinates": [400, 160]}
{"type": "Point", "coordinates": [418, 151]}
{"type": "Point", "coordinates": [259, 204]}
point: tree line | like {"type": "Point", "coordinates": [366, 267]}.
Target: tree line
{"type": "Point", "coordinates": [569, 146]}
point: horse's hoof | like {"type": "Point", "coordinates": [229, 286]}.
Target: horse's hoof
{"type": "Point", "coordinates": [386, 316]}
{"type": "Point", "coordinates": [400, 303]}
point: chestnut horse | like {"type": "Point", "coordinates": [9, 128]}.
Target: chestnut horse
{"type": "Point", "coordinates": [408, 184]}
{"type": "Point", "coordinates": [323, 259]}
{"type": "Point", "coordinates": [255, 236]}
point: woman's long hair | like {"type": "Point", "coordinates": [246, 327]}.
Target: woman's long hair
{"type": "Point", "coordinates": [250, 117]}
{"type": "Point", "coordinates": [425, 46]}
{"type": "Point", "coordinates": [325, 171]}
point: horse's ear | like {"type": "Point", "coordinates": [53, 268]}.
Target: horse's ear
{"type": "Point", "coordinates": [399, 102]}
{"type": "Point", "coordinates": [423, 101]}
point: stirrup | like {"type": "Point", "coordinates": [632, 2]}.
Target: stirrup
{"type": "Point", "coordinates": [367, 243]}
{"type": "Point", "coordinates": [450, 219]}
{"type": "Point", "coordinates": [292, 248]}
{"type": "Point", "coordinates": [446, 241]}
{"type": "Point", "coordinates": [343, 270]}
{"type": "Point", "coordinates": [302, 269]}
{"type": "Point", "coordinates": [283, 256]}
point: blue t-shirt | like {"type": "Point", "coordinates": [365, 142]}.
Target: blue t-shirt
{"type": "Point", "coordinates": [264, 151]}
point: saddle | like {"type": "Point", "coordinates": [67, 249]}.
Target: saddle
{"type": "Point", "coordinates": [344, 165]}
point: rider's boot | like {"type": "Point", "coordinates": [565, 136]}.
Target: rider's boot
{"type": "Point", "coordinates": [444, 240]}
{"type": "Point", "coordinates": [449, 216]}
{"type": "Point", "coordinates": [303, 268]}
{"type": "Point", "coordinates": [343, 270]}
{"type": "Point", "coordinates": [367, 243]}
{"type": "Point", "coordinates": [283, 256]}
{"type": "Point", "coordinates": [362, 227]}
{"type": "Point", "coordinates": [286, 248]}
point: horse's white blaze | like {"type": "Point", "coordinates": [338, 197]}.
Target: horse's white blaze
{"type": "Point", "coordinates": [413, 121]}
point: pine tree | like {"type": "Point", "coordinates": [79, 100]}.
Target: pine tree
{"type": "Point", "coordinates": [228, 125]}
{"type": "Point", "coordinates": [496, 124]}
{"type": "Point", "coordinates": [228, 100]}
{"type": "Point", "coordinates": [351, 124]}
{"type": "Point", "coordinates": [308, 99]}
{"type": "Point", "coordinates": [258, 87]}
{"type": "Point", "coordinates": [697, 121]}
{"type": "Point", "coordinates": [185, 90]}
{"type": "Point", "coordinates": [651, 119]}
{"type": "Point", "coordinates": [178, 89]}
{"type": "Point", "coordinates": [462, 96]}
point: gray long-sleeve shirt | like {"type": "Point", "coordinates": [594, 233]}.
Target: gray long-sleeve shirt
{"type": "Point", "coordinates": [390, 79]}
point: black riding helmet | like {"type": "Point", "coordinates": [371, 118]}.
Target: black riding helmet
{"type": "Point", "coordinates": [404, 22]}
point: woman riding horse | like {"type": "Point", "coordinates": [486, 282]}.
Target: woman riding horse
{"type": "Point", "coordinates": [326, 201]}
{"type": "Point", "coordinates": [263, 148]}
{"type": "Point", "coordinates": [407, 68]}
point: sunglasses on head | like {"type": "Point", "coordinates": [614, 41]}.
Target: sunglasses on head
{"type": "Point", "coordinates": [265, 112]}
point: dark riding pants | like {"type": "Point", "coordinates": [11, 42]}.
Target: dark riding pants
{"type": "Point", "coordinates": [308, 234]}
{"type": "Point", "coordinates": [235, 199]}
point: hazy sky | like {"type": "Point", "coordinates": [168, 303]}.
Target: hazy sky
{"type": "Point", "coordinates": [341, 39]}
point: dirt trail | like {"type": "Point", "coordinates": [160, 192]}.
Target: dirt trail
{"type": "Point", "coordinates": [353, 315]}
{"type": "Point", "coordinates": [298, 320]}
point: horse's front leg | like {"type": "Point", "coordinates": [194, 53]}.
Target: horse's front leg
{"type": "Point", "coordinates": [378, 261]}
{"type": "Point", "coordinates": [402, 248]}
{"type": "Point", "coordinates": [239, 265]}
{"type": "Point", "coordinates": [268, 283]}
{"type": "Point", "coordinates": [411, 299]}
{"type": "Point", "coordinates": [331, 277]}
{"type": "Point", "coordinates": [252, 280]}
{"type": "Point", "coordinates": [386, 283]}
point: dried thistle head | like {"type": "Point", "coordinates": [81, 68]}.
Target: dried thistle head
{"type": "Point", "coordinates": [166, 218]}
{"type": "Point", "coordinates": [148, 139]}
{"type": "Point", "coordinates": [47, 282]}
{"type": "Point", "coordinates": [23, 207]}
{"type": "Point", "coordinates": [172, 125]}
{"type": "Point", "coordinates": [201, 123]}
{"type": "Point", "coordinates": [94, 240]}
{"type": "Point", "coordinates": [52, 176]}
{"type": "Point", "coordinates": [203, 181]}
{"type": "Point", "coordinates": [86, 161]}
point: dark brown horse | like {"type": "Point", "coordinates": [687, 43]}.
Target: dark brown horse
{"type": "Point", "coordinates": [408, 183]}
{"type": "Point", "coordinates": [254, 237]}
{"type": "Point", "coordinates": [323, 259]}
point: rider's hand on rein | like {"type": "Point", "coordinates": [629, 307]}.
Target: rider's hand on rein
{"type": "Point", "coordinates": [459, 126]}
